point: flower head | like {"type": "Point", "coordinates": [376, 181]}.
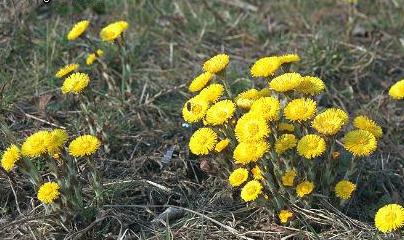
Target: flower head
{"type": "Point", "coordinates": [389, 218]}
{"type": "Point", "coordinates": [113, 31]}
{"type": "Point", "coordinates": [304, 188]}
{"type": "Point", "coordinates": [251, 190]}
{"type": "Point", "coordinates": [360, 142]}
{"type": "Point", "coordinates": [200, 82]}
{"type": "Point", "coordinates": [78, 29]}
{"type": "Point", "coordinates": [285, 82]}
{"type": "Point", "coordinates": [286, 127]}
{"type": "Point", "coordinates": [284, 215]}
{"type": "Point", "coordinates": [310, 85]}
{"type": "Point", "coordinates": [48, 192]}
{"type": "Point", "coordinates": [265, 67]}
{"type": "Point", "coordinates": [91, 58]}
{"type": "Point", "coordinates": [203, 141]}
{"type": "Point", "coordinates": [284, 143]}
{"type": "Point", "coordinates": [330, 121]}
{"type": "Point", "coordinates": [221, 145]}
{"type": "Point", "coordinates": [66, 70]}
{"type": "Point", "coordinates": [311, 146]}
{"type": "Point", "coordinates": [85, 145]}
{"type": "Point", "coordinates": [344, 189]}
{"type": "Point", "coordinates": [288, 178]}
{"type": "Point", "coordinates": [220, 112]}
{"type": "Point", "coordinates": [238, 177]}
{"type": "Point", "coordinates": [250, 128]}
{"type": "Point", "coordinates": [257, 173]}
{"type": "Point", "coordinates": [75, 83]}
{"type": "Point", "coordinates": [289, 58]}
{"type": "Point", "coordinates": [246, 152]}
{"type": "Point", "coordinates": [300, 109]}
{"type": "Point", "coordinates": [10, 157]}
{"type": "Point", "coordinates": [247, 98]}
{"type": "Point", "coordinates": [365, 123]}
{"type": "Point", "coordinates": [56, 139]}
{"type": "Point", "coordinates": [216, 64]}
{"type": "Point", "coordinates": [36, 144]}
{"type": "Point", "coordinates": [397, 90]}
{"type": "Point", "coordinates": [212, 92]}
{"type": "Point", "coordinates": [267, 107]}
{"type": "Point", "coordinates": [194, 109]}
{"type": "Point", "coordinates": [99, 53]}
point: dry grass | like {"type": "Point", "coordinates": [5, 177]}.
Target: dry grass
{"type": "Point", "coordinates": [135, 110]}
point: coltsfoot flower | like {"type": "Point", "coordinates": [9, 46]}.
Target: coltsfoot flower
{"type": "Point", "coordinates": [365, 123]}
{"type": "Point", "coordinates": [238, 177]}
{"type": "Point", "coordinates": [286, 127]}
{"type": "Point", "coordinates": [212, 92]}
{"type": "Point", "coordinates": [304, 188]}
{"type": "Point", "coordinates": [247, 98]}
{"type": "Point", "coordinates": [289, 58]}
{"type": "Point", "coordinates": [257, 173]}
{"type": "Point", "coordinates": [389, 218]}
{"type": "Point", "coordinates": [66, 70]}
{"type": "Point", "coordinates": [360, 143]}
{"type": "Point", "coordinates": [10, 157]}
{"type": "Point", "coordinates": [200, 82]}
{"type": "Point", "coordinates": [251, 190]}
{"type": "Point", "coordinates": [285, 82]}
{"type": "Point", "coordinates": [310, 85]}
{"type": "Point", "coordinates": [194, 109]}
{"type": "Point", "coordinates": [265, 67]}
{"type": "Point", "coordinates": [246, 152]}
{"type": "Point", "coordinates": [311, 146]}
{"type": "Point", "coordinates": [56, 140]}
{"type": "Point", "coordinates": [288, 178]}
{"type": "Point", "coordinates": [203, 141]}
{"type": "Point", "coordinates": [397, 90]}
{"type": "Point", "coordinates": [251, 128]}
{"type": "Point", "coordinates": [48, 192]}
{"type": "Point", "coordinates": [216, 64]}
{"type": "Point", "coordinates": [75, 83]}
{"type": "Point", "coordinates": [36, 144]}
{"type": "Point", "coordinates": [330, 121]}
{"type": "Point", "coordinates": [284, 143]}
{"type": "Point", "coordinates": [301, 109]}
{"type": "Point", "coordinates": [85, 145]}
{"type": "Point", "coordinates": [220, 112]}
{"type": "Point", "coordinates": [113, 31]}
{"type": "Point", "coordinates": [344, 189]}
{"type": "Point", "coordinates": [78, 29]}
{"type": "Point", "coordinates": [284, 215]}
{"type": "Point", "coordinates": [267, 107]}
{"type": "Point", "coordinates": [221, 145]}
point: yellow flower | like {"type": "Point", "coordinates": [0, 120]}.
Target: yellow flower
{"type": "Point", "coordinates": [194, 109]}
{"type": "Point", "coordinates": [36, 144]}
{"type": "Point", "coordinates": [300, 109]}
{"type": "Point", "coordinates": [56, 139]}
{"type": "Point", "coordinates": [90, 58]}
{"type": "Point", "coordinates": [66, 70]}
{"type": "Point", "coordinates": [85, 145]}
{"type": "Point", "coordinates": [113, 31]}
{"type": "Point", "coordinates": [251, 128]}
{"type": "Point", "coordinates": [397, 90]}
{"type": "Point", "coordinates": [265, 67]}
{"type": "Point", "coordinates": [48, 192]}
{"type": "Point", "coordinates": [288, 178]}
{"type": "Point", "coordinates": [311, 146]}
{"type": "Point", "coordinates": [310, 85]}
{"type": "Point", "coordinates": [221, 145]}
{"type": "Point", "coordinates": [77, 30]}
{"type": "Point", "coordinates": [200, 82]}
{"type": "Point", "coordinates": [238, 177]}
{"type": "Point", "coordinates": [286, 127]}
{"type": "Point", "coordinates": [216, 64]}
{"type": "Point", "coordinates": [10, 157]}
{"type": "Point", "coordinates": [267, 107]}
{"type": "Point", "coordinates": [285, 82]}
{"type": "Point", "coordinates": [75, 83]}
{"type": "Point", "coordinates": [251, 190]}
{"type": "Point", "coordinates": [246, 152]}
{"type": "Point", "coordinates": [220, 112]}
{"type": "Point", "coordinates": [289, 58]}
{"type": "Point", "coordinates": [99, 53]}
{"type": "Point", "coordinates": [344, 189]}
{"type": "Point", "coordinates": [360, 142]}
{"type": "Point", "coordinates": [212, 92]}
{"type": "Point", "coordinates": [304, 188]}
{"type": "Point", "coordinates": [284, 215]}
{"type": "Point", "coordinates": [389, 218]}
{"type": "Point", "coordinates": [330, 121]}
{"type": "Point", "coordinates": [284, 143]}
{"type": "Point", "coordinates": [203, 141]}
{"type": "Point", "coordinates": [257, 173]}
{"type": "Point", "coordinates": [247, 98]}
{"type": "Point", "coordinates": [365, 123]}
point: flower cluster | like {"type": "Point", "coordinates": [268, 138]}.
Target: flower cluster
{"type": "Point", "coordinates": [282, 145]}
